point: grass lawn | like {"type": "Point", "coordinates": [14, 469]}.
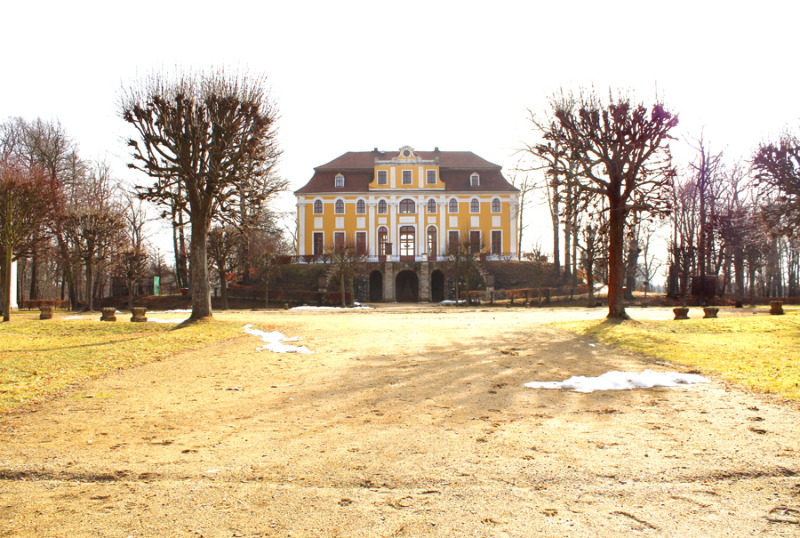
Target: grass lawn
{"type": "Point", "coordinates": [759, 352]}
{"type": "Point", "coordinates": [43, 357]}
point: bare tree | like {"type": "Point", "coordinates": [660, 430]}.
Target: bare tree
{"type": "Point", "coordinates": [27, 196]}
{"type": "Point", "coordinates": [207, 133]}
{"type": "Point", "coordinates": [777, 168]}
{"type": "Point", "coordinates": [94, 225]}
{"type": "Point", "coordinates": [622, 153]}
{"type": "Point", "coordinates": [223, 243]}
{"type": "Point", "coordinates": [462, 261]}
{"type": "Point", "coordinates": [347, 264]}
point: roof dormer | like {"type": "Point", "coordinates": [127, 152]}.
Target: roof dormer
{"type": "Point", "coordinates": [407, 153]}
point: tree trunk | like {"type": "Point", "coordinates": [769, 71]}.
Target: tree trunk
{"type": "Point", "coordinates": [567, 245]}
{"type": "Point", "coordinates": [341, 288]}
{"type": "Point", "coordinates": [201, 288]}
{"type": "Point", "coordinates": [89, 282]}
{"type": "Point", "coordinates": [556, 245]}
{"type": "Point", "coordinates": [34, 290]}
{"type": "Point", "coordinates": [630, 270]}
{"type": "Point", "coordinates": [7, 283]}
{"type": "Point", "coordinates": [223, 288]}
{"type": "Point", "coordinates": [616, 266]}
{"type": "Point", "coordinates": [738, 275]}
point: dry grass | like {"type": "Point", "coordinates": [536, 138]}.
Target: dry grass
{"type": "Point", "coordinates": [39, 358]}
{"type": "Point", "coordinates": [758, 352]}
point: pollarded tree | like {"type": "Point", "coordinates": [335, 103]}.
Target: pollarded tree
{"type": "Point", "coordinates": [777, 167]}
{"type": "Point", "coordinates": [27, 197]}
{"type": "Point", "coordinates": [622, 151]}
{"type": "Point", "coordinates": [205, 132]}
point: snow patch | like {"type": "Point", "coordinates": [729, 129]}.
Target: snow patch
{"type": "Point", "coordinates": [275, 341]}
{"type": "Point", "coordinates": [621, 381]}
{"type": "Point", "coordinates": [306, 307]}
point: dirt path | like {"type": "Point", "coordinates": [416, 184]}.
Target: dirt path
{"type": "Point", "coordinates": [403, 423]}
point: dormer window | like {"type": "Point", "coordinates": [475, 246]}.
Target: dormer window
{"type": "Point", "coordinates": [474, 180]}
{"type": "Point", "coordinates": [383, 178]}
{"type": "Point", "coordinates": [431, 177]}
{"type": "Point", "coordinates": [339, 181]}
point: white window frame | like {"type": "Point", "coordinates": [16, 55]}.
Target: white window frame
{"type": "Point", "coordinates": [428, 175]}
{"type": "Point", "coordinates": [431, 202]}
{"type": "Point", "coordinates": [385, 205]}
{"type": "Point", "coordinates": [361, 207]}
{"type": "Point", "coordinates": [407, 201]}
{"type": "Point", "coordinates": [321, 207]}
{"type": "Point", "coordinates": [336, 236]}
{"type": "Point", "coordinates": [336, 206]}
{"type": "Point", "coordinates": [338, 181]}
{"type": "Point", "coordinates": [474, 180]}
{"type": "Point", "coordinates": [410, 174]}
{"type": "Point", "coordinates": [383, 177]}
{"type": "Point", "coordinates": [499, 205]}
{"type": "Point", "coordinates": [450, 206]}
{"type": "Point", "coordinates": [472, 203]}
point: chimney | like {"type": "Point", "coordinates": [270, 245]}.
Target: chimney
{"type": "Point", "coordinates": [436, 148]}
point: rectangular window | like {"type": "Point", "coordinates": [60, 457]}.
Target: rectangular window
{"type": "Point", "coordinates": [338, 240]}
{"type": "Point", "coordinates": [319, 243]}
{"type": "Point", "coordinates": [361, 243]}
{"type": "Point", "coordinates": [452, 239]}
{"type": "Point", "coordinates": [339, 181]}
{"type": "Point", "coordinates": [383, 178]}
{"type": "Point", "coordinates": [431, 177]}
{"type": "Point", "coordinates": [475, 240]}
{"type": "Point", "coordinates": [406, 177]}
{"type": "Point", "coordinates": [497, 242]}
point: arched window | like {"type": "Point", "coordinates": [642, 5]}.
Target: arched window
{"type": "Point", "coordinates": [361, 207]}
{"type": "Point", "coordinates": [318, 207]}
{"type": "Point", "coordinates": [339, 207]}
{"type": "Point", "coordinates": [474, 180]}
{"type": "Point", "coordinates": [431, 206]}
{"type": "Point", "coordinates": [474, 206]}
{"type": "Point", "coordinates": [407, 206]}
{"type": "Point", "coordinates": [339, 181]}
{"type": "Point", "coordinates": [383, 237]}
{"type": "Point", "coordinates": [496, 205]}
{"type": "Point", "coordinates": [432, 246]}
{"type": "Point", "coordinates": [452, 206]}
{"type": "Point", "coordinates": [383, 207]}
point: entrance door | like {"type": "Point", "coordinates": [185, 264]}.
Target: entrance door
{"type": "Point", "coordinates": [407, 239]}
{"type": "Point", "coordinates": [376, 287]}
{"type": "Point", "coordinates": [407, 287]}
{"type": "Point", "coordinates": [437, 286]}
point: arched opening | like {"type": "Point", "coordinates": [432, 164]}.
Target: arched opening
{"type": "Point", "coordinates": [406, 287]}
{"type": "Point", "coordinates": [376, 287]}
{"type": "Point", "coordinates": [437, 286]}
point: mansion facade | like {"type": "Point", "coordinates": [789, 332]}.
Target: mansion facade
{"type": "Point", "coordinates": [403, 210]}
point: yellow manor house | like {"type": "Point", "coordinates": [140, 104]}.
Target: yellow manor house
{"type": "Point", "coordinates": [402, 209]}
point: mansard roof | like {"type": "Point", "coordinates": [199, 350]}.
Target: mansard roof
{"type": "Point", "coordinates": [455, 168]}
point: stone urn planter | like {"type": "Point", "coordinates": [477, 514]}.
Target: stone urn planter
{"type": "Point", "coordinates": [710, 312]}
{"type": "Point", "coordinates": [681, 312]}
{"type": "Point", "coordinates": [109, 314]}
{"type": "Point", "coordinates": [45, 312]}
{"type": "Point", "coordinates": [776, 308]}
{"type": "Point", "coordinates": [138, 314]}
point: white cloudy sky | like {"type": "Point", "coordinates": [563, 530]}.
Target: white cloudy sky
{"type": "Point", "coordinates": [458, 75]}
